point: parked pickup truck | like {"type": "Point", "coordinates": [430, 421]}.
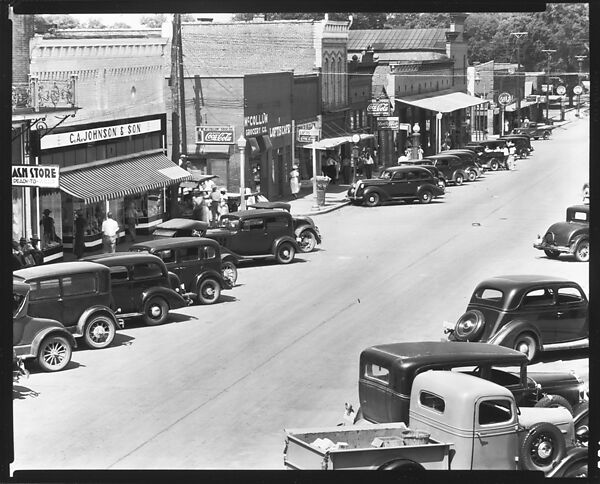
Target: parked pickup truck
{"type": "Point", "coordinates": [465, 423]}
{"type": "Point", "coordinates": [535, 130]}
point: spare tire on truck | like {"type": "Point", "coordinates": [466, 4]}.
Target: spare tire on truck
{"type": "Point", "coordinates": [469, 326]}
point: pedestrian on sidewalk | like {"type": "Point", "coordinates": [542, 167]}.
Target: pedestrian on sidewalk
{"type": "Point", "coordinates": [131, 216]}
{"type": "Point", "coordinates": [368, 163]}
{"type": "Point", "coordinates": [294, 181]}
{"type": "Point", "coordinates": [48, 229]}
{"type": "Point", "coordinates": [80, 225]}
{"type": "Point", "coordinates": [110, 230]}
{"type": "Point", "coordinates": [215, 201]}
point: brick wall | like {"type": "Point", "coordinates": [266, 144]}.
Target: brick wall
{"type": "Point", "coordinates": [22, 33]}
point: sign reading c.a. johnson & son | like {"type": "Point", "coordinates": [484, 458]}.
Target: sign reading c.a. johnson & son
{"type": "Point", "coordinates": [215, 135]}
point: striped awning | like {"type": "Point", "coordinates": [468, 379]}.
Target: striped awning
{"type": "Point", "coordinates": [115, 179]}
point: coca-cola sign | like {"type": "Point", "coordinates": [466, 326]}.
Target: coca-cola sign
{"type": "Point", "coordinates": [215, 135]}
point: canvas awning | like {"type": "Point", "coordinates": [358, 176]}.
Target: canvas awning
{"type": "Point", "coordinates": [329, 143]}
{"type": "Point", "coordinates": [443, 103]}
{"type": "Point", "coordinates": [125, 176]}
{"type": "Point", "coordinates": [524, 103]}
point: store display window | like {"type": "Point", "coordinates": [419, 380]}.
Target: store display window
{"type": "Point", "coordinates": [51, 221]}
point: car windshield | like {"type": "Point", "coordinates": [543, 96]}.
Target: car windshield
{"type": "Point", "coordinates": [229, 223]}
{"type": "Point", "coordinates": [386, 175]}
{"type": "Point", "coordinates": [18, 301]}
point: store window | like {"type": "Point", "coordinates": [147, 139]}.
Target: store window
{"type": "Point", "coordinates": [18, 222]}
{"type": "Point", "coordinates": [94, 214]}
{"type": "Point", "coordinates": [50, 225]}
{"type": "Point", "coordinates": [154, 204]}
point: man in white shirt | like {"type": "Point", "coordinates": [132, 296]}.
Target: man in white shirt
{"type": "Point", "coordinates": [110, 229]}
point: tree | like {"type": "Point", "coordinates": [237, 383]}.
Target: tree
{"type": "Point", "coordinates": [95, 23]}
{"type": "Point", "coordinates": [153, 21]}
{"type": "Point", "coordinates": [42, 22]}
{"type": "Point", "coordinates": [120, 25]}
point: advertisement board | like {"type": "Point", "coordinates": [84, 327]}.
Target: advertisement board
{"type": "Point", "coordinates": [215, 135]}
{"type": "Point", "coordinates": [388, 122]}
{"type": "Point", "coordinates": [379, 108]}
{"type": "Point", "coordinates": [41, 176]}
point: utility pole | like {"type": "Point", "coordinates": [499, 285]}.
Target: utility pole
{"type": "Point", "coordinates": [174, 85]}
{"type": "Point", "coordinates": [549, 52]}
{"type": "Point", "coordinates": [518, 36]}
{"type": "Point", "coordinates": [183, 141]}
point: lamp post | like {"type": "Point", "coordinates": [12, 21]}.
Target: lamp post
{"type": "Point", "coordinates": [415, 141]}
{"type": "Point", "coordinates": [549, 52]}
{"type": "Point", "coordinates": [518, 36]}
{"type": "Point", "coordinates": [241, 143]}
{"type": "Point", "coordinates": [438, 130]}
{"type": "Point", "coordinates": [580, 59]}
{"type": "Point", "coordinates": [355, 140]}
{"type": "Point", "coordinates": [314, 134]}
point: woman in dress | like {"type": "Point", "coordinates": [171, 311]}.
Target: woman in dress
{"type": "Point", "coordinates": [295, 181]}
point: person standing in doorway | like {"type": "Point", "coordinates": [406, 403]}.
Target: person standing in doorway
{"type": "Point", "coordinates": [110, 229]}
{"type": "Point", "coordinates": [80, 224]}
{"type": "Point", "coordinates": [294, 181]}
{"type": "Point", "coordinates": [48, 230]}
{"type": "Point", "coordinates": [368, 164]}
{"type": "Point", "coordinates": [131, 215]}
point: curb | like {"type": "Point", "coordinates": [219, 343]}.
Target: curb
{"type": "Point", "coordinates": [328, 209]}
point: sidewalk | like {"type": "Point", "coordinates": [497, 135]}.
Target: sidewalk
{"type": "Point", "coordinates": [335, 198]}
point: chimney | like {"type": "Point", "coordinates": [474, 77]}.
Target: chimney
{"type": "Point", "coordinates": [450, 37]}
{"type": "Point", "coordinates": [457, 22]}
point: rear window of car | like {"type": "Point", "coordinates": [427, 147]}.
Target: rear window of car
{"type": "Point", "coordinates": [432, 401]}
{"type": "Point", "coordinates": [489, 295]}
{"type": "Point", "coordinates": [78, 284]}
{"type": "Point", "coordinates": [569, 295]}
{"type": "Point", "coordinates": [579, 216]}
{"type": "Point", "coordinates": [377, 372]}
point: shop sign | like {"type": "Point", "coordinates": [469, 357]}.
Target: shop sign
{"type": "Point", "coordinates": [504, 98]}
{"type": "Point", "coordinates": [103, 133]}
{"type": "Point", "coordinates": [379, 108]}
{"type": "Point", "coordinates": [215, 135]}
{"type": "Point", "coordinates": [577, 90]}
{"type": "Point", "coordinates": [561, 90]}
{"type": "Point", "coordinates": [404, 127]}
{"type": "Point", "coordinates": [42, 176]}
{"type": "Point", "coordinates": [388, 123]}
{"type": "Point", "coordinates": [277, 131]}
{"type": "Point", "coordinates": [256, 124]}
{"type": "Point", "coordinates": [531, 99]}
{"type": "Point", "coordinates": [305, 135]}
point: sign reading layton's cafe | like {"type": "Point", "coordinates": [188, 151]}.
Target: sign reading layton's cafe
{"type": "Point", "coordinates": [46, 176]}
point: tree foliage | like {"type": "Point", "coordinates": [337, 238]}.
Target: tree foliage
{"type": "Point", "coordinates": [42, 22]}
{"type": "Point", "coordinates": [120, 25]}
{"type": "Point", "coordinates": [95, 23]}
{"type": "Point", "coordinates": [153, 21]}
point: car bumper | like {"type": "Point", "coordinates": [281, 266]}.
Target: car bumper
{"type": "Point", "coordinates": [557, 248]}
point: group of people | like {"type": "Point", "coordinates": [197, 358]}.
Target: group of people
{"type": "Point", "coordinates": [509, 152]}
{"type": "Point", "coordinates": [206, 203]}
{"type": "Point", "coordinates": [334, 169]}
{"type": "Point", "coordinates": [26, 253]}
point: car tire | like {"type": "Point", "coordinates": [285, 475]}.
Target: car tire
{"type": "Point", "coordinates": [472, 175]}
{"type": "Point", "coordinates": [527, 344]}
{"type": "Point", "coordinates": [469, 326]}
{"type": "Point", "coordinates": [229, 271]}
{"type": "Point", "coordinates": [308, 241]}
{"type": "Point", "coordinates": [458, 179]}
{"type": "Point", "coordinates": [542, 448]}
{"type": "Point", "coordinates": [209, 291]}
{"type": "Point", "coordinates": [554, 401]}
{"type": "Point", "coordinates": [494, 165]}
{"type": "Point", "coordinates": [406, 465]}
{"type": "Point", "coordinates": [425, 197]}
{"type": "Point", "coordinates": [582, 251]}
{"type": "Point", "coordinates": [156, 311]}
{"type": "Point", "coordinates": [99, 331]}
{"type": "Point", "coordinates": [285, 252]}
{"type": "Point", "coordinates": [372, 199]}
{"type": "Point", "coordinates": [54, 353]}
{"type": "Point", "coordinates": [552, 254]}
{"type": "Point", "coordinates": [546, 135]}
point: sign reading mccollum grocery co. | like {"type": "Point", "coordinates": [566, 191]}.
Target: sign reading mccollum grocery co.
{"type": "Point", "coordinates": [59, 140]}
{"type": "Point", "coordinates": [215, 135]}
{"type": "Point", "coordinates": [43, 176]}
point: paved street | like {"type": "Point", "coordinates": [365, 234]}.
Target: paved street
{"type": "Point", "coordinates": [216, 387]}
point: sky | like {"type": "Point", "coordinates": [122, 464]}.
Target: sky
{"type": "Point", "coordinates": [134, 19]}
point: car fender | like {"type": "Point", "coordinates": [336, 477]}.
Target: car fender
{"type": "Point", "coordinates": [304, 227]}
{"type": "Point", "coordinates": [93, 310]}
{"type": "Point", "coordinates": [507, 334]}
{"type": "Point", "coordinates": [574, 456]}
{"type": "Point", "coordinates": [286, 238]}
{"type": "Point", "coordinates": [576, 239]}
{"type": "Point", "coordinates": [210, 274]}
{"type": "Point", "coordinates": [174, 299]}
{"type": "Point", "coordinates": [459, 171]}
{"type": "Point", "coordinates": [37, 341]}
{"type": "Point", "coordinates": [380, 192]}
{"type": "Point", "coordinates": [228, 254]}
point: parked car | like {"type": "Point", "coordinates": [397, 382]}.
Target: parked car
{"type": "Point", "coordinates": [569, 237]}
{"type": "Point", "coordinates": [255, 235]}
{"type": "Point", "coordinates": [472, 167]}
{"type": "Point", "coordinates": [453, 168]}
{"type": "Point", "coordinates": [196, 261]}
{"type": "Point", "coordinates": [141, 286]}
{"type": "Point", "coordinates": [490, 152]}
{"type": "Point", "coordinates": [307, 232]}
{"type": "Point", "coordinates": [535, 130]}
{"type": "Point", "coordinates": [442, 182]}
{"type": "Point", "coordinates": [45, 340]}
{"type": "Point", "coordinates": [396, 183]}
{"type": "Point", "coordinates": [78, 295]}
{"type": "Point", "coordinates": [522, 144]}
{"type": "Point", "coordinates": [532, 314]}
{"type": "Point", "coordinates": [180, 227]}
{"type": "Point", "coordinates": [387, 372]}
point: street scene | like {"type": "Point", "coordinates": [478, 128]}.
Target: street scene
{"type": "Point", "coordinates": [373, 254]}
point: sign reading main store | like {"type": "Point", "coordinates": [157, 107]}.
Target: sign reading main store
{"type": "Point", "coordinates": [42, 176]}
{"type": "Point", "coordinates": [102, 133]}
{"type": "Point", "coordinates": [215, 135]}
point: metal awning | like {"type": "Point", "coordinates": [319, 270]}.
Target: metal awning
{"type": "Point", "coordinates": [120, 177]}
{"type": "Point", "coordinates": [444, 103]}
{"type": "Point", "coordinates": [328, 143]}
{"type": "Point", "coordinates": [524, 103]}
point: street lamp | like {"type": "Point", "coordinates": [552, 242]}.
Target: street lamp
{"type": "Point", "coordinates": [355, 140]}
{"type": "Point", "coordinates": [314, 134]}
{"type": "Point", "coordinates": [549, 52]}
{"type": "Point", "coordinates": [415, 141]}
{"type": "Point", "coordinates": [518, 36]}
{"type": "Point", "coordinates": [241, 143]}
{"type": "Point", "coordinates": [438, 129]}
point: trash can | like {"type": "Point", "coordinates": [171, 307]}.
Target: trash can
{"type": "Point", "coordinates": [322, 182]}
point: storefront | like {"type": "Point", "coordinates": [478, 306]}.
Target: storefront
{"type": "Point", "coordinates": [118, 167]}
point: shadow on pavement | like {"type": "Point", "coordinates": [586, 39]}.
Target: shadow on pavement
{"type": "Point", "coordinates": [563, 355]}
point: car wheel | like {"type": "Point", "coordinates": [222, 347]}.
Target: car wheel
{"type": "Point", "coordinates": [54, 353]}
{"type": "Point", "coordinates": [522, 153]}
{"type": "Point", "coordinates": [554, 401]}
{"type": "Point", "coordinates": [543, 447]}
{"type": "Point", "coordinates": [156, 311]}
{"type": "Point", "coordinates": [472, 175]}
{"type": "Point", "coordinates": [552, 254]}
{"type": "Point", "coordinates": [582, 251]}
{"type": "Point", "coordinates": [425, 197]}
{"type": "Point", "coordinates": [458, 179]}
{"type": "Point", "coordinates": [469, 326]}
{"type": "Point", "coordinates": [285, 253]}
{"type": "Point", "coordinates": [99, 331]}
{"type": "Point", "coordinates": [229, 271]}
{"type": "Point", "coordinates": [494, 165]}
{"type": "Point", "coordinates": [372, 199]}
{"type": "Point", "coordinates": [308, 241]}
{"type": "Point", "coordinates": [527, 344]}
{"type": "Point", "coordinates": [209, 291]}
{"type": "Point", "coordinates": [546, 135]}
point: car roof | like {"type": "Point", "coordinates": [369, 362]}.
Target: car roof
{"type": "Point", "coordinates": [413, 356]}
{"type": "Point", "coordinates": [581, 208]}
{"type": "Point", "coordinates": [407, 167]}
{"type": "Point", "coordinates": [441, 156]}
{"type": "Point", "coordinates": [123, 258]}
{"type": "Point", "coordinates": [20, 287]}
{"type": "Point", "coordinates": [520, 281]}
{"type": "Point", "coordinates": [59, 269]}
{"type": "Point", "coordinates": [175, 242]}
{"type": "Point", "coordinates": [265, 205]}
{"type": "Point", "coordinates": [182, 223]}
{"type": "Point", "coordinates": [255, 213]}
